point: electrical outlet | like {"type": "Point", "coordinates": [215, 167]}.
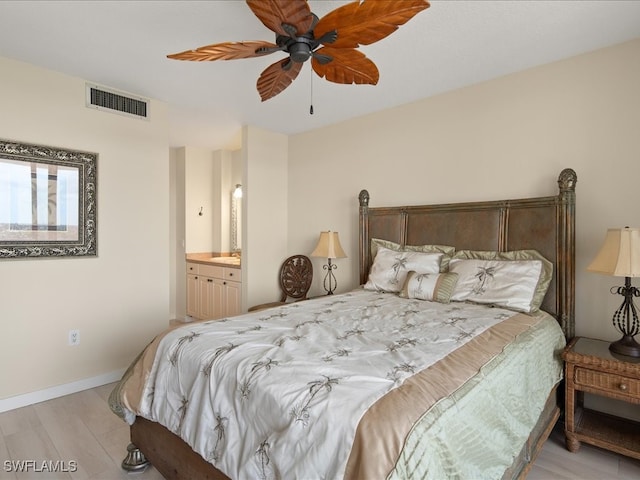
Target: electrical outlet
{"type": "Point", "coordinates": [74, 337]}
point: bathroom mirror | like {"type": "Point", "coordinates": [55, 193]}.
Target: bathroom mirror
{"type": "Point", "coordinates": [236, 219]}
{"type": "Point", "coordinates": [47, 201]}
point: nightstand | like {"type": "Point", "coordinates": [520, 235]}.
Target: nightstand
{"type": "Point", "coordinates": [590, 367]}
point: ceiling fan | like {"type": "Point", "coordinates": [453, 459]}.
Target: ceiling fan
{"type": "Point", "coordinates": [330, 42]}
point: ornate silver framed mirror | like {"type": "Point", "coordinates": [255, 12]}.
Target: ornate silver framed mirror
{"type": "Point", "coordinates": [48, 201]}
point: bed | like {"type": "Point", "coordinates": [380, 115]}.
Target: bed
{"type": "Point", "coordinates": [395, 395]}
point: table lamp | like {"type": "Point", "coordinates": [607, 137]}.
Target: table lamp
{"type": "Point", "coordinates": [329, 247]}
{"type": "Point", "coordinates": [620, 256]}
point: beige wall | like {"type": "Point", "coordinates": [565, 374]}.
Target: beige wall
{"type": "Point", "coordinates": [202, 208]}
{"type": "Point", "coordinates": [119, 299]}
{"type": "Point", "coordinates": [177, 234]}
{"type": "Point", "coordinates": [264, 214]}
{"type": "Point", "coordinates": [505, 138]}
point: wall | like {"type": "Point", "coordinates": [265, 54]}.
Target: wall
{"type": "Point", "coordinates": [201, 203]}
{"type": "Point", "coordinates": [264, 214]}
{"type": "Point", "coordinates": [206, 178]}
{"type": "Point", "coordinates": [118, 300]}
{"type": "Point", "coordinates": [505, 138]}
{"type": "Point", "coordinates": [236, 167]}
{"type": "Point", "coordinates": [177, 235]}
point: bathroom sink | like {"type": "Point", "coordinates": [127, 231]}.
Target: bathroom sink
{"type": "Point", "coordinates": [227, 260]}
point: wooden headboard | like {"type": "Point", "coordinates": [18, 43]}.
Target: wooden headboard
{"type": "Point", "coordinates": [545, 224]}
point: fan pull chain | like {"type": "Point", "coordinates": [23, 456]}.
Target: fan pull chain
{"type": "Point", "coordinates": [311, 96]}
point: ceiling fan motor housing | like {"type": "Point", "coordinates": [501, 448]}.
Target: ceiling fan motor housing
{"type": "Point", "coordinates": [300, 52]}
{"type": "Point", "coordinates": [299, 48]}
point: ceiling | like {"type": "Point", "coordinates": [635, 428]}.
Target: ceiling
{"type": "Point", "coordinates": [123, 45]}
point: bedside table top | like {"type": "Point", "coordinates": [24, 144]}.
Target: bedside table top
{"type": "Point", "coordinates": [592, 352]}
{"type": "Point", "coordinates": [599, 348]}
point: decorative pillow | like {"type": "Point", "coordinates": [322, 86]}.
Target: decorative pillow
{"type": "Point", "coordinates": [437, 287]}
{"type": "Point", "coordinates": [445, 249]}
{"type": "Point", "coordinates": [517, 280]}
{"type": "Point", "coordinates": [390, 268]}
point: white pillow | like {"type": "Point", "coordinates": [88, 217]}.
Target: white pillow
{"type": "Point", "coordinates": [447, 250]}
{"type": "Point", "coordinates": [390, 268]}
{"type": "Point", "coordinates": [504, 283]}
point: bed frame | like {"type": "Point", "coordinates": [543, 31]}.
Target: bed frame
{"type": "Point", "coordinates": [546, 224]}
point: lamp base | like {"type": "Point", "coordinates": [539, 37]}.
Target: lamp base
{"type": "Point", "coordinates": [330, 282]}
{"type": "Point", "coordinates": [626, 346]}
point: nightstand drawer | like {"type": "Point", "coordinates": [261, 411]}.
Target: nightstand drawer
{"type": "Point", "coordinates": [607, 382]}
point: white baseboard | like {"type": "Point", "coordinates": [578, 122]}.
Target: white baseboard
{"type": "Point", "coordinates": [26, 399]}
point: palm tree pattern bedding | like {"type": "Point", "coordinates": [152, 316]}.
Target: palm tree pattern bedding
{"type": "Point", "coordinates": [280, 393]}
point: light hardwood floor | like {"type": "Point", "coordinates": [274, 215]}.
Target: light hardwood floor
{"type": "Point", "coordinates": [81, 428]}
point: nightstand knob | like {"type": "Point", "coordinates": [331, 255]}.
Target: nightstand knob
{"type": "Point", "coordinates": [623, 387]}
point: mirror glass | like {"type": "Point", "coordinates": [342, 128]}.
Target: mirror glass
{"type": "Point", "coordinates": [236, 219]}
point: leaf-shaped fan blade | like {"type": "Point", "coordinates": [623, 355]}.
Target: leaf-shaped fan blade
{"type": "Point", "coordinates": [226, 51]}
{"type": "Point", "coordinates": [348, 66]}
{"type": "Point", "coordinates": [273, 13]}
{"type": "Point", "coordinates": [367, 22]}
{"type": "Point", "coordinates": [276, 77]}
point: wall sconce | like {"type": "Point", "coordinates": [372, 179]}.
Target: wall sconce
{"type": "Point", "coordinates": [620, 257]}
{"type": "Point", "coordinates": [237, 192]}
{"type": "Point", "coordinates": [329, 247]}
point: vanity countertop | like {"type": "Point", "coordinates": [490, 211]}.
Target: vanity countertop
{"type": "Point", "coordinates": [214, 259]}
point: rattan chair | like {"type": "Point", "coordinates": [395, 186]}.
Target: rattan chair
{"type": "Point", "coordinates": [296, 274]}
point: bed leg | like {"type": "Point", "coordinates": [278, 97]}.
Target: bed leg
{"type": "Point", "coordinates": [135, 460]}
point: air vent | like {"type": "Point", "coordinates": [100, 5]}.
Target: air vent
{"type": "Point", "coordinates": [118, 102]}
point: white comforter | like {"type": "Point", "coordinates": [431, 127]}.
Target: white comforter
{"type": "Point", "coordinates": [279, 393]}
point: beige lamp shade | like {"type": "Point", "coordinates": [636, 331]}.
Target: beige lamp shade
{"type": "Point", "coordinates": [620, 254]}
{"type": "Point", "coordinates": [329, 246]}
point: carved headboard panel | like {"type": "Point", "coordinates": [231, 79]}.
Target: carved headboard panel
{"type": "Point", "coordinates": [545, 224]}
